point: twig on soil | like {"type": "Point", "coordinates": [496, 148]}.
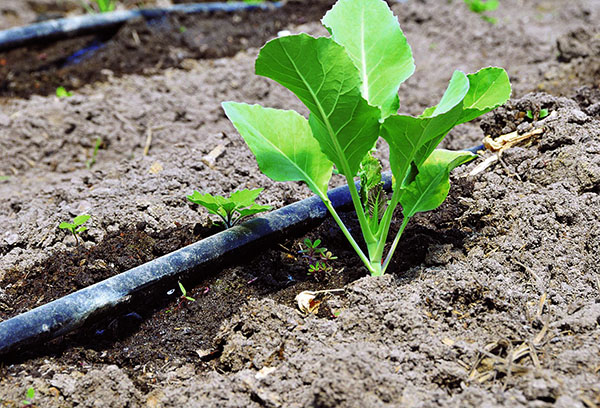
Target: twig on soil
{"type": "Point", "coordinates": [149, 131]}
{"type": "Point", "coordinates": [211, 158]}
{"type": "Point", "coordinates": [148, 141]}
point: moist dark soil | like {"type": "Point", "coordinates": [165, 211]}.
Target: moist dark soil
{"type": "Point", "coordinates": [144, 47]}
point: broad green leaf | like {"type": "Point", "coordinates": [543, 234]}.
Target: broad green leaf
{"type": "Point", "coordinates": [376, 45]}
{"type": "Point", "coordinates": [255, 209]}
{"type": "Point", "coordinates": [66, 225]}
{"type": "Point", "coordinates": [283, 144]}
{"type": "Point", "coordinates": [81, 229]}
{"type": "Point", "coordinates": [211, 203]}
{"type": "Point", "coordinates": [245, 198]}
{"type": "Point", "coordinates": [322, 75]}
{"type": "Point", "coordinates": [431, 186]}
{"type": "Point", "coordinates": [455, 93]}
{"type": "Point", "coordinates": [80, 219]}
{"type": "Point", "coordinates": [489, 88]}
{"type": "Point", "coordinates": [407, 137]}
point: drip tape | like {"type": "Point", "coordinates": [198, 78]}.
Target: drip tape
{"type": "Point", "coordinates": [72, 26]}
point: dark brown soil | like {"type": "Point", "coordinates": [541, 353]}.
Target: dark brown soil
{"type": "Point", "coordinates": [144, 47]}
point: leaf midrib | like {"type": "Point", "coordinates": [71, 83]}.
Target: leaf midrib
{"type": "Point", "coordinates": [345, 166]}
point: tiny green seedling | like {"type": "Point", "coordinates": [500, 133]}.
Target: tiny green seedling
{"type": "Point", "coordinates": [232, 210]}
{"type": "Point", "coordinates": [76, 226]}
{"type": "Point", "coordinates": [92, 160]}
{"type": "Point", "coordinates": [184, 297]}
{"type": "Point", "coordinates": [4, 178]}
{"type": "Point", "coordinates": [29, 395]}
{"type": "Point", "coordinates": [349, 82]}
{"type": "Point", "coordinates": [318, 259]}
{"type": "Point", "coordinates": [104, 6]}
{"type": "Point", "coordinates": [542, 113]}
{"type": "Point", "coordinates": [61, 92]}
{"type": "Point", "coordinates": [482, 6]}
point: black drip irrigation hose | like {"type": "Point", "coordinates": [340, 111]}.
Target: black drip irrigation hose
{"type": "Point", "coordinates": [71, 26]}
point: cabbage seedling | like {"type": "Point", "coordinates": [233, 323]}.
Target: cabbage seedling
{"type": "Point", "coordinates": [76, 226]}
{"type": "Point", "coordinates": [349, 82]}
{"type": "Point", "coordinates": [232, 210]}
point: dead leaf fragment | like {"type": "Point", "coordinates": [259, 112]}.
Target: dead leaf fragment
{"type": "Point", "coordinates": [156, 168]}
{"type": "Point", "coordinates": [309, 301]}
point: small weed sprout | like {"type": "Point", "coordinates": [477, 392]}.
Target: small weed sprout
{"type": "Point", "coordinates": [319, 259]}
{"type": "Point", "coordinates": [482, 6]}
{"type": "Point", "coordinates": [541, 114]}
{"type": "Point", "coordinates": [232, 210]}
{"type": "Point", "coordinates": [76, 226]}
{"type": "Point", "coordinates": [184, 297]}
{"type": "Point", "coordinates": [61, 92]}
{"type": "Point", "coordinates": [29, 395]}
{"type": "Point", "coordinates": [92, 160]}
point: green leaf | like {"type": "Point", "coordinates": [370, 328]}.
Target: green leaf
{"type": "Point", "coordinates": [455, 93]}
{"type": "Point", "coordinates": [30, 393]}
{"type": "Point", "coordinates": [283, 144]}
{"type": "Point", "coordinates": [61, 92]}
{"type": "Point", "coordinates": [322, 75]}
{"type": "Point", "coordinates": [81, 229]}
{"type": "Point", "coordinates": [81, 219]}
{"type": "Point", "coordinates": [431, 186]}
{"type": "Point", "coordinates": [409, 138]}
{"type": "Point", "coordinates": [183, 291]}
{"type": "Point", "coordinates": [488, 89]}
{"type": "Point", "coordinates": [212, 203]}
{"type": "Point", "coordinates": [255, 209]}
{"type": "Point", "coordinates": [66, 225]}
{"type": "Point", "coordinates": [245, 198]}
{"type": "Point", "coordinates": [481, 6]}
{"type": "Point", "coordinates": [227, 208]}
{"type": "Point", "coordinates": [376, 45]}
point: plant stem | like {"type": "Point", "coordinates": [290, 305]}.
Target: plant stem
{"type": "Point", "coordinates": [394, 244]}
{"type": "Point", "coordinates": [347, 234]}
{"type": "Point", "coordinates": [386, 220]}
{"type": "Point", "coordinates": [368, 236]}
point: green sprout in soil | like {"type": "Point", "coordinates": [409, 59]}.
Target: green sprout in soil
{"type": "Point", "coordinates": [541, 114]}
{"type": "Point", "coordinates": [482, 6]}
{"type": "Point", "coordinates": [92, 160]}
{"type": "Point", "coordinates": [184, 297]}
{"type": "Point", "coordinates": [28, 401]}
{"type": "Point", "coordinates": [104, 6]}
{"type": "Point", "coordinates": [61, 92]}
{"type": "Point", "coordinates": [232, 210]}
{"type": "Point", "coordinates": [76, 226]}
{"type": "Point", "coordinates": [349, 82]}
{"type": "Point", "coordinates": [319, 259]}
{"type": "Point", "coordinates": [4, 178]}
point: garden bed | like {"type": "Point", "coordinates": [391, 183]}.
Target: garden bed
{"type": "Point", "coordinates": [491, 299]}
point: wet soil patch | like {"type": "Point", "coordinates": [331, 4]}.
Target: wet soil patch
{"type": "Point", "coordinates": [159, 325]}
{"type": "Point", "coordinates": [145, 47]}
